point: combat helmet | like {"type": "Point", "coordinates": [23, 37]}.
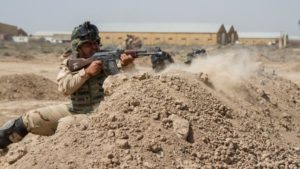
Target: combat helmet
{"type": "Point", "coordinates": [84, 33]}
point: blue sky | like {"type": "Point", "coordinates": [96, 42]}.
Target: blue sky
{"type": "Point", "coordinates": [63, 15]}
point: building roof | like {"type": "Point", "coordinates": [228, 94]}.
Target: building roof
{"type": "Point", "coordinates": [21, 32]}
{"type": "Point", "coordinates": [160, 27]}
{"type": "Point", "coordinates": [267, 35]}
{"type": "Point", "coordinates": [8, 29]}
{"type": "Point", "coordinates": [49, 33]}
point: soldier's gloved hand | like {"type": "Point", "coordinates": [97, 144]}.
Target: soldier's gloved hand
{"type": "Point", "coordinates": [126, 59]}
{"type": "Point", "coordinates": [94, 68]}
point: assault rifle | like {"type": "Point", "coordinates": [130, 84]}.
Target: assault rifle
{"type": "Point", "coordinates": [108, 58]}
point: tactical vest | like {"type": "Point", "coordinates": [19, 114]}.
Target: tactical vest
{"type": "Point", "coordinates": [88, 95]}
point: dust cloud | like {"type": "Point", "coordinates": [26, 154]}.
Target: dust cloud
{"type": "Point", "coordinates": [225, 70]}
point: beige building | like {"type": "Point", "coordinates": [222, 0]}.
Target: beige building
{"type": "Point", "coordinates": [165, 33]}
{"type": "Point", "coordinates": [52, 36]}
{"type": "Point", "coordinates": [62, 37]}
{"type": "Point", "coordinates": [294, 41]}
{"type": "Point", "coordinates": [259, 38]}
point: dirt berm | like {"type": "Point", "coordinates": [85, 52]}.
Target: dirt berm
{"type": "Point", "coordinates": [175, 120]}
{"type": "Point", "coordinates": [27, 86]}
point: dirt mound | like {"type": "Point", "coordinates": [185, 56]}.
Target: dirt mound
{"type": "Point", "coordinates": [175, 120]}
{"type": "Point", "coordinates": [294, 67]}
{"type": "Point", "coordinates": [28, 86]}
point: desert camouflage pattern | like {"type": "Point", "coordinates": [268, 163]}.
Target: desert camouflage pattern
{"type": "Point", "coordinates": [68, 82]}
{"type": "Point", "coordinates": [133, 43]}
{"type": "Point", "coordinates": [44, 121]}
{"type": "Point", "coordinates": [85, 93]}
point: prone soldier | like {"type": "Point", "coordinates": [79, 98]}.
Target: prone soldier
{"type": "Point", "coordinates": [83, 86]}
{"type": "Point", "coordinates": [196, 53]}
{"type": "Point", "coordinates": [160, 61]}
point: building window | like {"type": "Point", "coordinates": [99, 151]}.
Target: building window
{"type": "Point", "coordinates": [197, 39]}
{"type": "Point", "coordinates": [170, 38]}
{"type": "Point", "coordinates": [157, 38]}
{"type": "Point", "coordinates": [145, 38]}
{"type": "Point", "coordinates": [120, 38]}
{"type": "Point", "coordinates": [107, 37]}
{"type": "Point", "coordinates": [183, 38]}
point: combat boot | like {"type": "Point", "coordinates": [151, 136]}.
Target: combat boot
{"type": "Point", "coordinates": [11, 132]}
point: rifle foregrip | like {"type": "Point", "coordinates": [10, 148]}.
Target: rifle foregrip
{"type": "Point", "coordinates": [131, 53]}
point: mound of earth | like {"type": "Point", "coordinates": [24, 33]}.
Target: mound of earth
{"type": "Point", "coordinates": [28, 86]}
{"type": "Point", "coordinates": [174, 120]}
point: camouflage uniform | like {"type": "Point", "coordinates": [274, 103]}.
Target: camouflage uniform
{"type": "Point", "coordinates": [133, 42]}
{"type": "Point", "coordinates": [85, 92]}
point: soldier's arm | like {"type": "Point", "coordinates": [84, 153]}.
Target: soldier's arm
{"type": "Point", "coordinates": [69, 82]}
